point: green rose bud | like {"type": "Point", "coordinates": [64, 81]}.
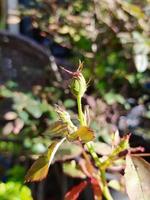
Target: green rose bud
{"type": "Point", "coordinates": [78, 84]}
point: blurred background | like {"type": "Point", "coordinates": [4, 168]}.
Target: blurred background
{"type": "Point", "coordinates": [39, 36]}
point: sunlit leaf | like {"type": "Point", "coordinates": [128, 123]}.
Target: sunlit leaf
{"type": "Point", "coordinates": [39, 169]}
{"type": "Point", "coordinates": [75, 191]}
{"type": "Point", "coordinates": [137, 178]}
{"type": "Point", "coordinates": [141, 62]}
{"type": "Point", "coordinates": [85, 134]}
{"type": "Point", "coordinates": [114, 184]}
{"type": "Point", "coordinates": [57, 129]}
{"type": "Point", "coordinates": [132, 9]}
{"type": "Point", "coordinates": [10, 115]}
{"type": "Point", "coordinates": [96, 189]}
{"type": "Point", "coordinates": [115, 138]}
{"type": "Point", "coordinates": [13, 190]}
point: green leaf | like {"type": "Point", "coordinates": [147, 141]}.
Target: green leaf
{"type": "Point", "coordinates": [114, 184]}
{"type": "Point", "coordinates": [112, 97]}
{"type": "Point", "coordinates": [75, 191]}
{"type": "Point", "coordinates": [84, 133]}
{"type": "Point", "coordinates": [14, 191]}
{"type": "Point", "coordinates": [39, 169]}
{"type": "Point", "coordinates": [133, 9]}
{"type": "Point", "coordinates": [24, 116]}
{"type": "Point", "coordinates": [69, 103]}
{"type": "Point", "coordinates": [102, 148]}
{"type": "Point", "coordinates": [68, 151]}
{"type": "Point", "coordinates": [33, 108]}
{"type": "Point", "coordinates": [70, 169]}
{"type": "Point", "coordinates": [121, 147]}
{"type": "Point", "coordinates": [4, 92]}
{"type": "Point", "coordinates": [137, 178]}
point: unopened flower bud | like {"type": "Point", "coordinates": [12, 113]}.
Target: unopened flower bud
{"type": "Point", "coordinates": [78, 85]}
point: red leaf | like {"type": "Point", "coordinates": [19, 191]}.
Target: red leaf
{"type": "Point", "coordinates": [96, 189]}
{"type": "Point", "coordinates": [75, 191]}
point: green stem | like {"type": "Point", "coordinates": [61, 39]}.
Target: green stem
{"type": "Point", "coordinates": [93, 153]}
{"type": "Point", "coordinates": [105, 189]}
{"type": "Point", "coordinates": [80, 112]}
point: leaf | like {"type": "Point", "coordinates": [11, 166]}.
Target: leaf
{"type": "Point", "coordinates": [18, 125]}
{"type": "Point", "coordinates": [4, 92]}
{"type": "Point", "coordinates": [69, 103]}
{"type": "Point", "coordinates": [114, 184]}
{"type": "Point", "coordinates": [137, 178]}
{"type": "Point", "coordinates": [122, 147]}
{"type": "Point", "coordinates": [96, 189]}
{"type": "Point", "coordinates": [39, 169]}
{"type": "Point", "coordinates": [85, 134]}
{"type": "Point", "coordinates": [33, 107]}
{"type": "Point", "coordinates": [8, 128]}
{"type": "Point", "coordinates": [112, 98]}
{"type": "Point", "coordinates": [141, 62]}
{"type": "Point", "coordinates": [115, 138]}
{"type": "Point", "coordinates": [132, 9]}
{"type": "Point", "coordinates": [68, 151]}
{"type": "Point", "coordinates": [10, 115]}
{"type": "Point", "coordinates": [74, 193]}
{"type": "Point", "coordinates": [71, 169]}
{"type": "Point", "coordinates": [57, 129]}
{"type": "Point", "coordinates": [102, 148]}
{"type": "Point", "coordinates": [24, 116]}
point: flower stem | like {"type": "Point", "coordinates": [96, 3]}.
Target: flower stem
{"type": "Point", "coordinates": [80, 112]}
{"type": "Point", "coordinates": [94, 155]}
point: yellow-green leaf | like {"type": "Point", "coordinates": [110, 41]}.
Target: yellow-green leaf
{"type": "Point", "coordinates": [84, 133]}
{"type": "Point", "coordinates": [137, 178]}
{"type": "Point", "coordinates": [132, 9]}
{"type": "Point", "coordinates": [39, 169]}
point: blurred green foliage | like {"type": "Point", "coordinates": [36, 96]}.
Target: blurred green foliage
{"type": "Point", "coordinates": [112, 37]}
{"type": "Point", "coordinates": [14, 191]}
